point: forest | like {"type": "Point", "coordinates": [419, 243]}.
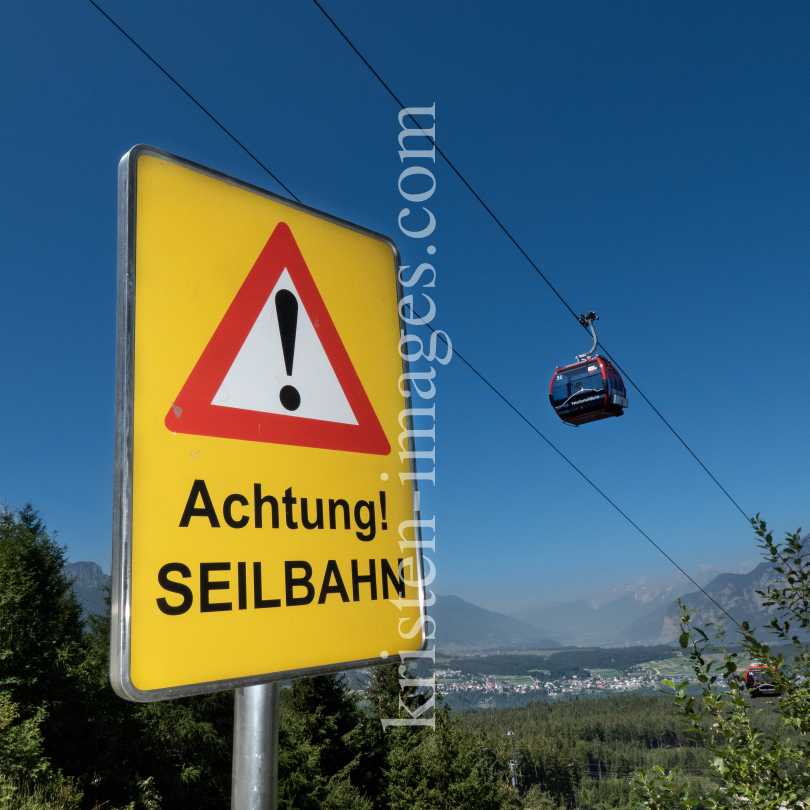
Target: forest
{"type": "Point", "coordinates": [67, 742]}
{"type": "Point", "coordinates": [583, 753]}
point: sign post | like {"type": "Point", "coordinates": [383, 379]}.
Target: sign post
{"type": "Point", "coordinates": [255, 748]}
{"type": "Point", "coordinates": [266, 522]}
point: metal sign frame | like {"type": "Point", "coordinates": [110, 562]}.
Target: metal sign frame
{"type": "Point", "coordinates": [121, 587]}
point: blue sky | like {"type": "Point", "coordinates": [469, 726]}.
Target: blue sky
{"type": "Point", "coordinates": [651, 157]}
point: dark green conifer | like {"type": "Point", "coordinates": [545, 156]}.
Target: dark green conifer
{"type": "Point", "coordinates": [40, 618]}
{"type": "Point", "coordinates": [329, 713]}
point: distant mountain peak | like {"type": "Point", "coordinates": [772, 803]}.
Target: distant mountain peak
{"type": "Point", "coordinates": [601, 616]}
{"type": "Point", "coordinates": [737, 593]}
{"type": "Point", "coordinates": [461, 624]}
{"type": "Point", "coordinates": [89, 585]}
{"type": "Point", "coordinates": [86, 574]}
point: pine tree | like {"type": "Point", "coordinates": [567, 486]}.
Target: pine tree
{"type": "Point", "coordinates": [174, 753]}
{"type": "Point", "coordinates": [41, 631]}
{"type": "Point", "coordinates": [21, 754]}
{"type": "Point", "coordinates": [40, 617]}
{"type": "Point", "coordinates": [329, 714]}
{"type": "Point", "coordinates": [321, 743]}
{"type": "Point", "coordinates": [188, 744]}
{"type": "Point", "coordinates": [110, 757]}
{"type": "Point", "coordinates": [421, 768]}
{"type": "Point", "coordinates": [380, 746]}
{"type": "Point", "coordinates": [449, 768]}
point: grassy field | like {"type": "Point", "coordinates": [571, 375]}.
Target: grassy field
{"type": "Point", "coordinates": [677, 667]}
{"type": "Point", "coordinates": [604, 673]}
{"type": "Point", "coordinates": [671, 667]}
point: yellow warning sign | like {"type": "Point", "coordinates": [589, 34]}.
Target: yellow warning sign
{"type": "Point", "coordinates": [266, 512]}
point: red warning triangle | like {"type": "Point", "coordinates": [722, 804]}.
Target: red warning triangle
{"type": "Point", "coordinates": [275, 370]}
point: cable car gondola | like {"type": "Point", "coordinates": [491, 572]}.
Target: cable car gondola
{"type": "Point", "coordinates": [759, 679]}
{"type": "Point", "coordinates": [590, 389]}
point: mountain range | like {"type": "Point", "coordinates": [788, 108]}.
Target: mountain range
{"type": "Point", "coordinates": [646, 611]}
{"type": "Point", "coordinates": [643, 612]}
{"type": "Point", "coordinates": [603, 616]}
{"type": "Point", "coordinates": [735, 592]}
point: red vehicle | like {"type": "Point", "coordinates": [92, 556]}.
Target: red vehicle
{"type": "Point", "coordinates": [589, 389]}
{"type": "Point", "coordinates": [759, 680]}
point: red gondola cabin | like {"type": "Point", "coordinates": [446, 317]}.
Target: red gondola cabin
{"type": "Point", "coordinates": [586, 391]}
{"type": "Point", "coordinates": [759, 680]}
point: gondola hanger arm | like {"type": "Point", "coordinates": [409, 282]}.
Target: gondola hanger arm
{"type": "Point", "coordinates": [587, 321]}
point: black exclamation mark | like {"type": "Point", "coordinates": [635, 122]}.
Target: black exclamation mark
{"type": "Point", "coordinates": [287, 310]}
{"type": "Point", "coordinates": [382, 509]}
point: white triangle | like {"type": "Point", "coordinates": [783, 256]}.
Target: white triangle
{"type": "Point", "coordinates": [258, 373]}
